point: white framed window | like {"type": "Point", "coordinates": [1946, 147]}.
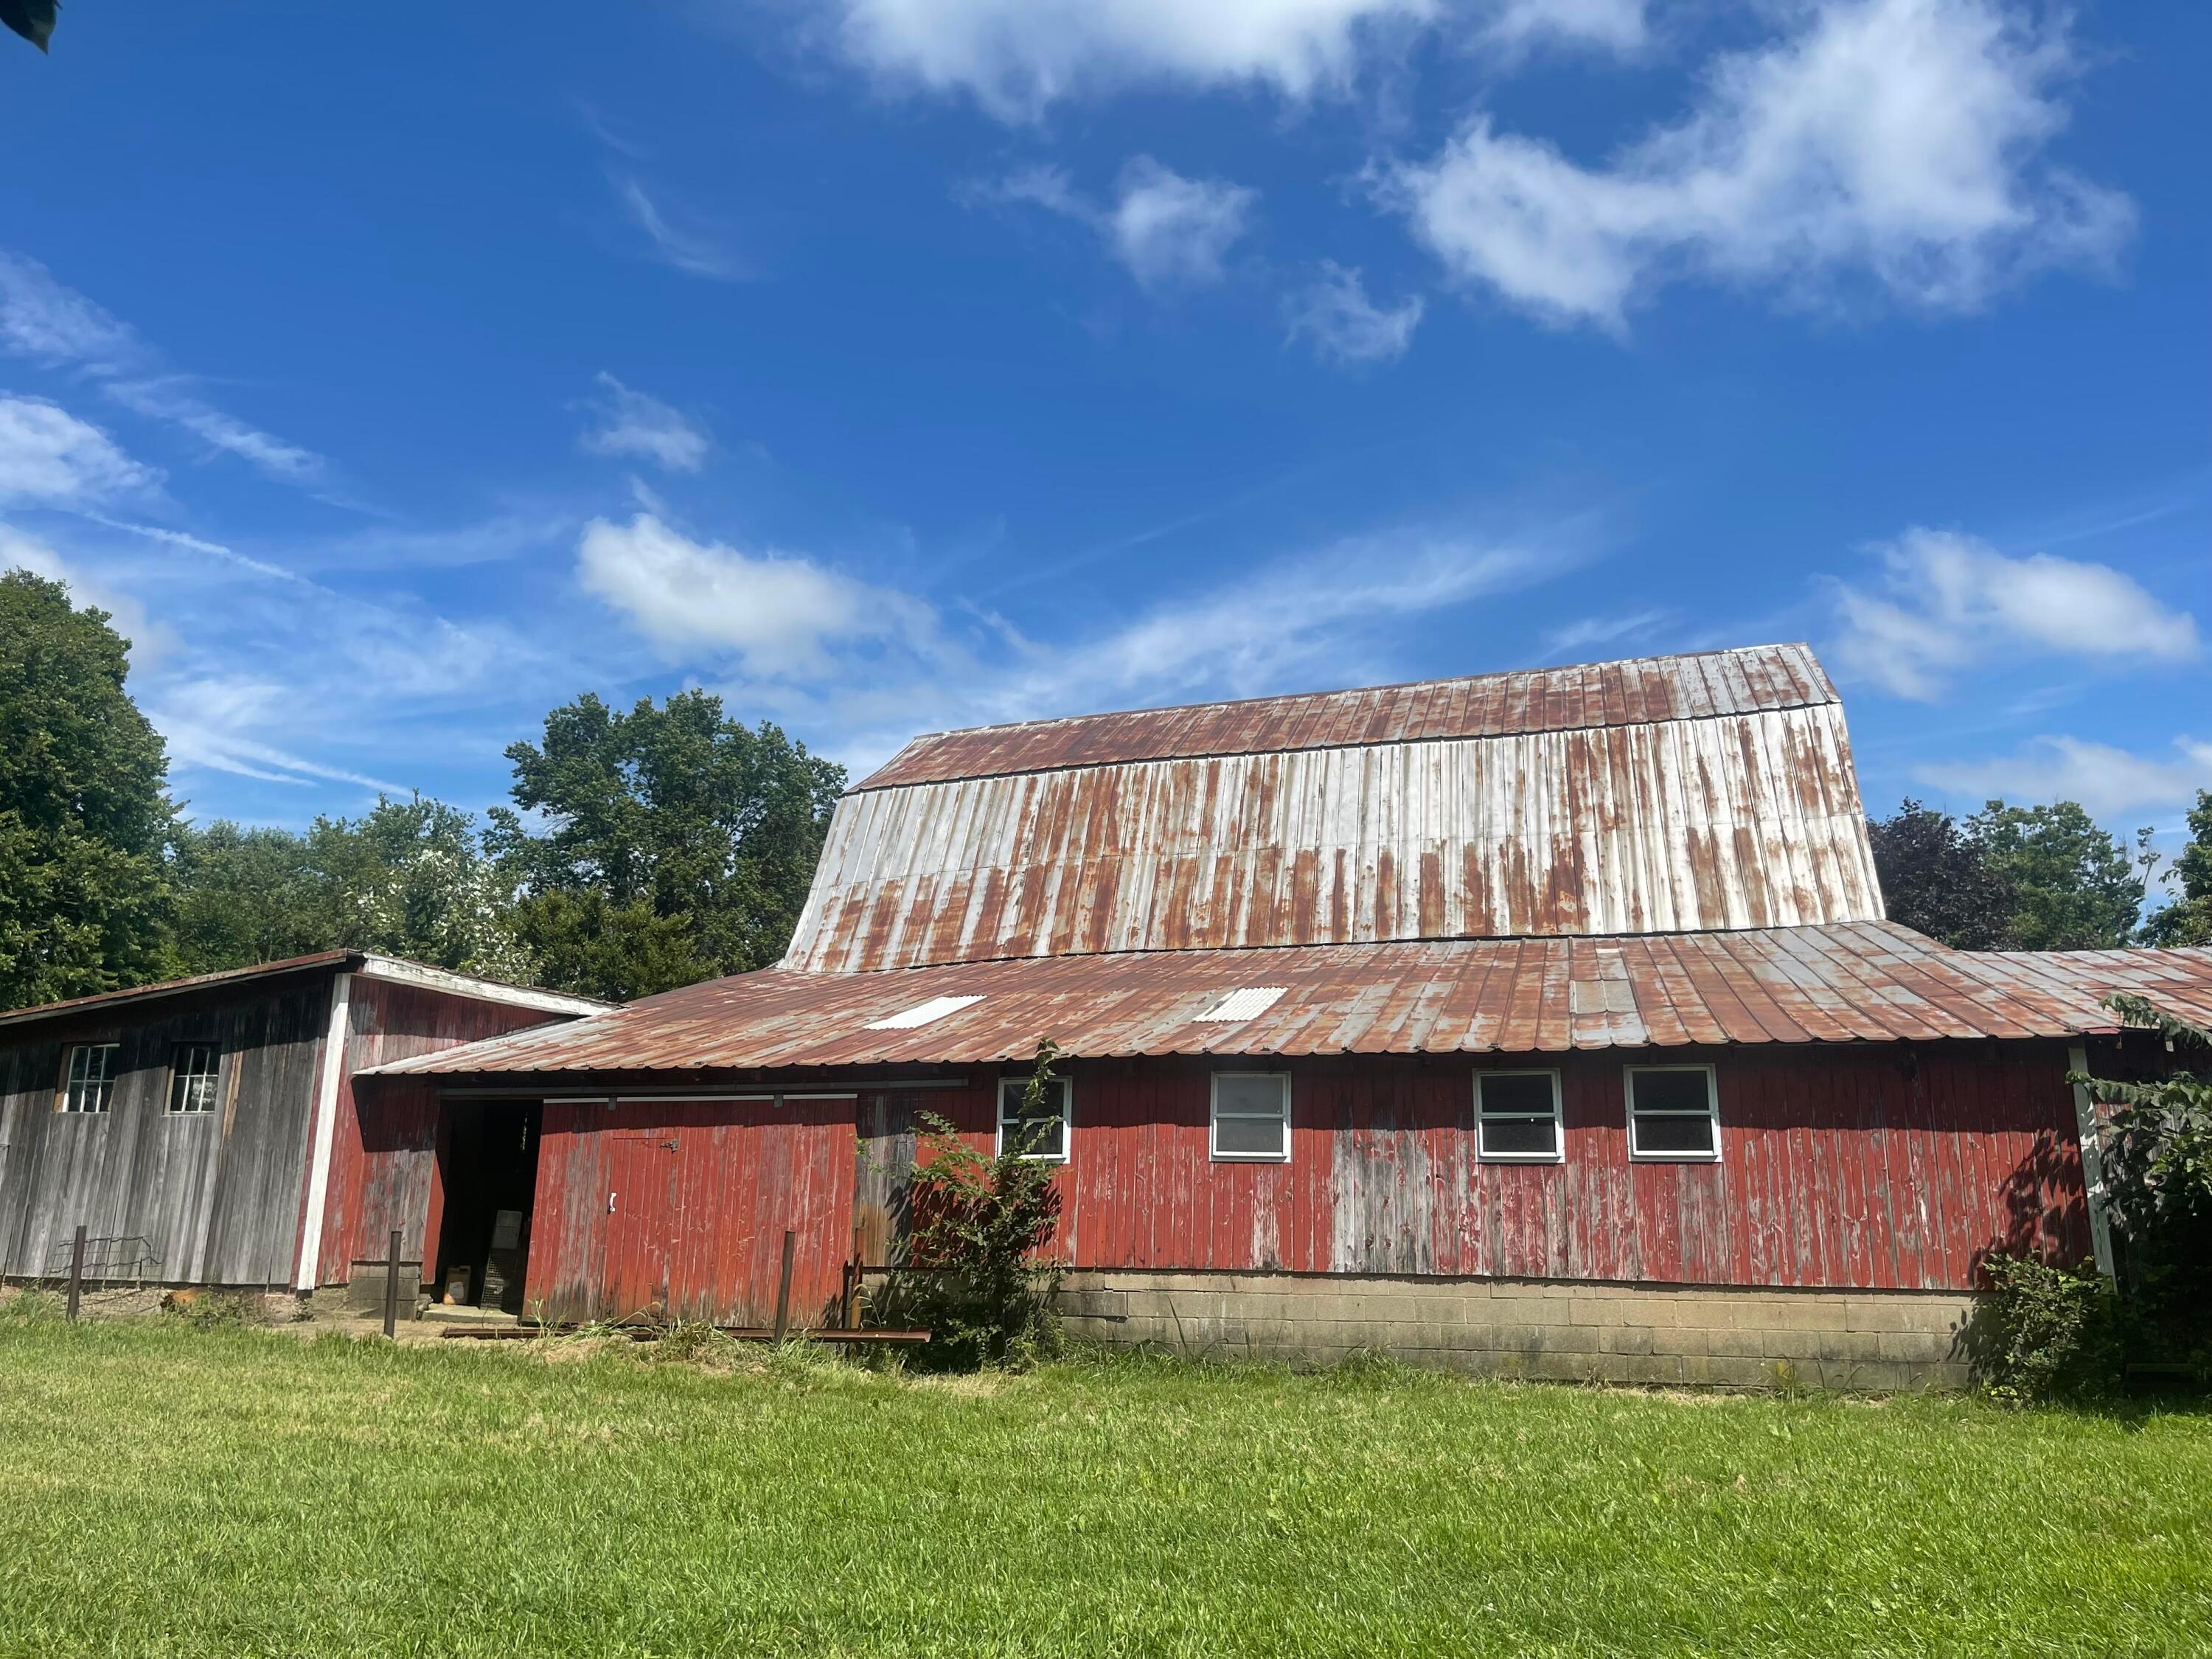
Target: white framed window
{"type": "Point", "coordinates": [1516, 1117]}
{"type": "Point", "coordinates": [1673, 1114]}
{"type": "Point", "coordinates": [1044, 1132]}
{"type": "Point", "coordinates": [1251, 1117]}
{"type": "Point", "coordinates": [193, 1073]}
{"type": "Point", "coordinates": [89, 1078]}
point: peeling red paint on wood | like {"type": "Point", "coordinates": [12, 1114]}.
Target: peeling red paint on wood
{"type": "Point", "coordinates": [1836, 1171]}
{"type": "Point", "coordinates": [384, 1161]}
{"type": "Point", "coordinates": [677, 1209]}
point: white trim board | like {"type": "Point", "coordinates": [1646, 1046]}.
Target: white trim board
{"type": "Point", "coordinates": [401, 972]}
{"type": "Point", "coordinates": [336, 1041]}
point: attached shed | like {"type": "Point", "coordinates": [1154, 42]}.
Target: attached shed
{"type": "Point", "coordinates": [1545, 1023]}
{"type": "Point", "coordinates": [190, 1128]}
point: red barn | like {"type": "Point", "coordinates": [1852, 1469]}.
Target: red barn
{"type": "Point", "coordinates": [1545, 1023]}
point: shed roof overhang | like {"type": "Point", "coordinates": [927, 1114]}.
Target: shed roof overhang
{"type": "Point", "coordinates": [1853, 982]}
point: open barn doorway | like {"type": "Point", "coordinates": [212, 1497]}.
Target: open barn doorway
{"type": "Point", "coordinates": [488, 1168]}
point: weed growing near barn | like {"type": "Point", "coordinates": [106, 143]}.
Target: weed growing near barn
{"type": "Point", "coordinates": [180, 1490]}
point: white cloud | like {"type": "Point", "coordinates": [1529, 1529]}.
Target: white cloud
{"type": "Point", "coordinates": [50, 324]}
{"type": "Point", "coordinates": [1594, 631]}
{"type": "Point", "coordinates": [2107, 781]}
{"type": "Point", "coordinates": [1018, 57]}
{"type": "Point", "coordinates": [49, 458]}
{"type": "Point", "coordinates": [1617, 25]}
{"type": "Point", "coordinates": [164, 400]}
{"type": "Point", "coordinates": [693, 249]}
{"type": "Point", "coordinates": [782, 613]}
{"type": "Point", "coordinates": [1167, 229]}
{"type": "Point", "coordinates": [1948, 601]}
{"type": "Point", "coordinates": [632, 423]}
{"type": "Point", "coordinates": [1170, 229]}
{"type": "Point", "coordinates": [1335, 313]}
{"type": "Point", "coordinates": [1891, 141]}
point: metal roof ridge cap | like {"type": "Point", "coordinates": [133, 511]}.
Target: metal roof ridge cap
{"type": "Point", "coordinates": [1819, 697]}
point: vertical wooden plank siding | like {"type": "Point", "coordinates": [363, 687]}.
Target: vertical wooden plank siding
{"type": "Point", "coordinates": [384, 1150]}
{"type": "Point", "coordinates": [206, 1197]}
{"type": "Point", "coordinates": [677, 1209]}
{"type": "Point", "coordinates": [1860, 1168]}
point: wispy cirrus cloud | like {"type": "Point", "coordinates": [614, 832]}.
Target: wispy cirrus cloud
{"type": "Point", "coordinates": [677, 236]}
{"type": "Point", "coordinates": [629, 423]}
{"type": "Point", "coordinates": [52, 324]}
{"type": "Point", "coordinates": [49, 458]}
{"type": "Point", "coordinates": [872, 664]}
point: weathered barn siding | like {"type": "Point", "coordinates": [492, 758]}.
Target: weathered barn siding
{"type": "Point", "coordinates": [1879, 1168]}
{"type": "Point", "coordinates": [186, 1198]}
{"type": "Point", "coordinates": [384, 1170]}
{"type": "Point", "coordinates": [1743, 821]}
{"type": "Point", "coordinates": [679, 1209]}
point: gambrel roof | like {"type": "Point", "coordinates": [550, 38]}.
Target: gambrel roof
{"type": "Point", "coordinates": [1670, 794]}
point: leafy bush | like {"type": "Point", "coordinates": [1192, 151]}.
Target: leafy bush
{"type": "Point", "coordinates": [2156, 1143]}
{"type": "Point", "coordinates": [2044, 1332]}
{"type": "Point", "coordinates": [980, 1226]}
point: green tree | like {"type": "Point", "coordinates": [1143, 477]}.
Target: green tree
{"type": "Point", "coordinates": [2187, 919]}
{"type": "Point", "coordinates": [1936, 880]}
{"type": "Point", "coordinates": [243, 897]}
{"type": "Point", "coordinates": [2075, 886]}
{"type": "Point", "coordinates": [409, 877]}
{"type": "Point", "coordinates": [84, 812]}
{"type": "Point", "coordinates": [666, 845]}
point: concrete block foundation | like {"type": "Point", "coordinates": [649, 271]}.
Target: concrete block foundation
{"type": "Point", "coordinates": [1697, 1336]}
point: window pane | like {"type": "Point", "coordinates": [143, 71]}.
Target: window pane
{"type": "Point", "coordinates": [1249, 1137]}
{"type": "Point", "coordinates": [1674, 1134]}
{"type": "Point", "coordinates": [1253, 1096]}
{"type": "Point", "coordinates": [1529, 1093]}
{"type": "Point", "coordinates": [1670, 1092]}
{"type": "Point", "coordinates": [1524, 1137]}
{"type": "Point", "coordinates": [1044, 1135]}
{"type": "Point", "coordinates": [192, 1088]}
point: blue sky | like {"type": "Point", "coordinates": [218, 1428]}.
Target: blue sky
{"type": "Point", "coordinates": [892, 364]}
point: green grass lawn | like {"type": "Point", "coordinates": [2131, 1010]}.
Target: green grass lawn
{"type": "Point", "coordinates": [170, 1490]}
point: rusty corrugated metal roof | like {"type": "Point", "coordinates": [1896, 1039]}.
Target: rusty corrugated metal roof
{"type": "Point", "coordinates": [1735, 816]}
{"type": "Point", "coordinates": [1855, 982]}
{"type": "Point", "coordinates": [1632, 692]}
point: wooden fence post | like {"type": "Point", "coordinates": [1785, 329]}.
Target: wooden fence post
{"type": "Point", "coordinates": [76, 1271]}
{"type": "Point", "coordinates": [392, 1289]}
{"type": "Point", "coordinates": [783, 1292]}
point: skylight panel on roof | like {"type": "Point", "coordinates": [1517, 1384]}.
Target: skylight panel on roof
{"type": "Point", "coordinates": [922, 1013]}
{"type": "Point", "coordinates": [1245, 1002]}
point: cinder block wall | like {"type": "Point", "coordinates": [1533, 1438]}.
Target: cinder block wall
{"type": "Point", "coordinates": [1547, 1329]}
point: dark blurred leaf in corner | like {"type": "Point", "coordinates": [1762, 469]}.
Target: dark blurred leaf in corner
{"type": "Point", "coordinates": [31, 19]}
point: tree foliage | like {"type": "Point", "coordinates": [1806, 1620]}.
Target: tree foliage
{"type": "Point", "coordinates": [664, 845]}
{"type": "Point", "coordinates": [980, 1226]}
{"type": "Point", "coordinates": [84, 812]}
{"type": "Point", "coordinates": [409, 879]}
{"type": "Point", "coordinates": [2186, 918]}
{"type": "Point", "coordinates": [2075, 886]}
{"type": "Point", "coordinates": [2156, 1146]}
{"type": "Point", "coordinates": [1936, 880]}
{"type": "Point", "coordinates": [2011, 877]}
